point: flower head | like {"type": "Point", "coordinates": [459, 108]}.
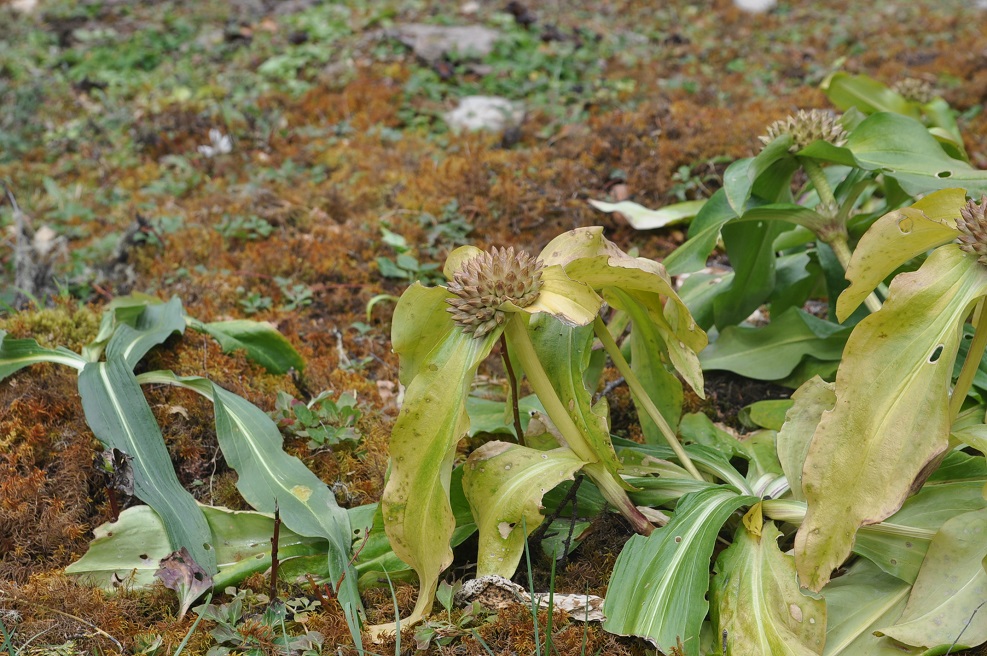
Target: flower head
{"type": "Point", "coordinates": [806, 127]}
{"type": "Point", "coordinates": [972, 225]}
{"type": "Point", "coordinates": [915, 90]}
{"type": "Point", "coordinates": [485, 282]}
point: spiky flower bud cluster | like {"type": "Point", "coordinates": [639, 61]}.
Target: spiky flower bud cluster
{"type": "Point", "coordinates": [486, 281]}
{"type": "Point", "coordinates": [915, 90]}
{"type": "Point", "coordinates": [972, 225]}
{"type": "Point", "coordinates": [806, 127]}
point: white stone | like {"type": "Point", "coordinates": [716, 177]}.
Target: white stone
{"type": "Point", "coordinates": [755, 6]}
{"type": "Point", "coordinates": [492, 113]}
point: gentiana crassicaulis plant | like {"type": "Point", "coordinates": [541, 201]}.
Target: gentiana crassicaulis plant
{"type": "Point", "coordinates": [896, 403]}
{"type": "Point", "coordinates": [545, 312]}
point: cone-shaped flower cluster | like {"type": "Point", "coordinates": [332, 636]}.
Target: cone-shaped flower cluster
{"type": "Point", "coordinates": [488, 280]}
{"type": "Point", "coordinates": [806, 127]}
{"type": "Point", "coordinates": [972, 225]}
{"type": "Point", "coordinates": [915, 90]}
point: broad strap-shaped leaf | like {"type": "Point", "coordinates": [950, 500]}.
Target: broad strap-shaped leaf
{"type": "Point", "coordinates": [812, 399]}
{"type": "Point", "coordinates": [866, 94]}
{"type": "Point", "coordinates": [891, 417]}
{"type": "Point", "coordinates": [505, 484]}
{"type": "Point", "coordinates": [420, 322]}
{"type": "Point", "coordinates": [261, 342]}
{"type": "Point", "coordinates": [704, 231]}
{"type": "Point", "coordinates": [903, 149]}
{"type": "Point", "coordinates": [750, 247]}
{"type": "Point", "coordinates": [757, 603]}
{"type": "Point", "coordinates": [267, 478]}
{"type": "Point", "coordinates": [898, 545]}
{"type": "Point", "coordinates": [896, 238]}
{"type": "Point", "coordinates": [127, 551]}
{"type": "Point", "coordinates": [774, 351]}
{"type": "Point", "coordinates": [417, 513]}
{"type": "Point", "coordinates": [153, 326]}
{"type": "Point", "coordinates": [642, 218]}
{"type": "Point", "coordinates": [858, 603]}
{"type": "Point", "coordinates": [739, 178]}
{"type": "Point", "coordinates": [659, 583]}
{"type": "Point", "coordinates": [15, 354]}
{"type": "Point", "coordinates": [121, 310]}
{"type": "Point", "coordinates": [951, 587]}
{"type": "Point", "coordinates": [590, 258]}
{"type": "Point", "coordinates": [663, 387]}
{"type": "Point", "coordinates": [120, 417]}
{"type": "Point", "coordinates": [564, 353]}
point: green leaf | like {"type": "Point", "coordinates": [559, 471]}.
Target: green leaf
{"type": "Point", "coordinates": [261, 342]}
{"type": "Point", "coordinates": [950, 589]}
{"type": "Point", "coordinates": [153, 326]}
{"type": "Point", "coordinates": [417, 514]}
{"type": "Point", "coordinates": [898, 544]}
{"type": "Point", "coordinates": [703, 235]}
{"type": "Point", "coordinates": [269, 478]}
{"type": "Point", "coordinates": [902, 148]}
{"type": "Point", "coordinates": [496, 417]}
{"type": "Point", "coordinates": [663, 387]}
{"type": "Point", "coordinates": [15, 354]}
{"type": "Point", "coordinates": [814, 397]}
{"type": "Point", "coordinates": [420, 322]}
{"type": "Point", "coordinates": [774, 351]}
{"type": "Point", "coordinates": [120, 417]}
{"type": "Point", "coordinates": [739, 178]}
{"type": "Point", "coordinates": [750, 247]}
{"type": "Point", "coordinates": [127, 551]}
{"type": "Point", "coordinates": [642, 218]}
{"type": "Point", "coordinates": [121, 310]}
{"type": "Point", "coordinates": [766, 414]}
{"type": "Point", "coordinates": [859, 602]}
{"type": "Point", "coordinates": [757, 603]}
{"type": "Point", "coordinates": [505, 484]}
{"type": "Point", "coordinates": [564, 353]}
{"type": "Point", "coordinates": [866, 94]}
{"type": "Point", "coordinates": [891, 417]}
{"type": "Point", "coordinates": [896, 238]}
{"type": "Point", "coordinates": [659, 583]}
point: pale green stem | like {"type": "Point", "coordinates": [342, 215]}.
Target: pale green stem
{"type": "Point", "coordinates": [517, 338]}
{"type": "Point", "coordinates": [642, 397]}
{"type": "Point", "coordinates": [972, 362]}
{"type": "Point", "coordinates": [842, 250]}
{"type": "Point", "coordinates": [819, 181]}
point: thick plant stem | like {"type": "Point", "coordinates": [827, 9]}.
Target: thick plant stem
{"type": "Point", "coordinates": [972, 362]}
{"type": "Point", "coordinates": [642, 397]}
{"type": "Point", "coordinates": [842, 251]}
{"type": "Point", "coordinates": [517, 336]}
{"type": "Point", "coordinates": [819, 181]}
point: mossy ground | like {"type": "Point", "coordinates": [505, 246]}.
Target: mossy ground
{"type": "Point", "coordinates": [336, 135]}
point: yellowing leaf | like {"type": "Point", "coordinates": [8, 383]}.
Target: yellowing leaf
{"type": "Point", "coordinates": [894, 239]}
{"type": "Point", "coordinates": [757, 603]}
{"type": "Point", "coordinates": [505, 484]}
{"type": "Point", "coordinates": [891, 417]}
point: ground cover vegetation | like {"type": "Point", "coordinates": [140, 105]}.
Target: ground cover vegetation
{"type": "Point", "coordinates": [285, 359]}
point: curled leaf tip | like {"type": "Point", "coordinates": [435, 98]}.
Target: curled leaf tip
{"type": "Point", "coordinates": [488, 280]}
{"type": "Point", "coordinates": [806, 127]}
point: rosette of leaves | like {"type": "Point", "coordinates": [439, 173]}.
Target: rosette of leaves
{"type": "Point", "coordinates": [856, 168]}
{"type": "Point", "coordinates": [120, 417]}
{"type": "Point", "coordinates": [544, 310]}
{"type": "Point", "coordinates": [896, 403]}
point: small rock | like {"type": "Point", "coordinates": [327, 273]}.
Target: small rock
{"type": "Point", "coordinates": [492, 113]}
{"type": "Point", "coordinates": [432, 42]}
{"type": "Point", "coordinates": [755, 6]}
